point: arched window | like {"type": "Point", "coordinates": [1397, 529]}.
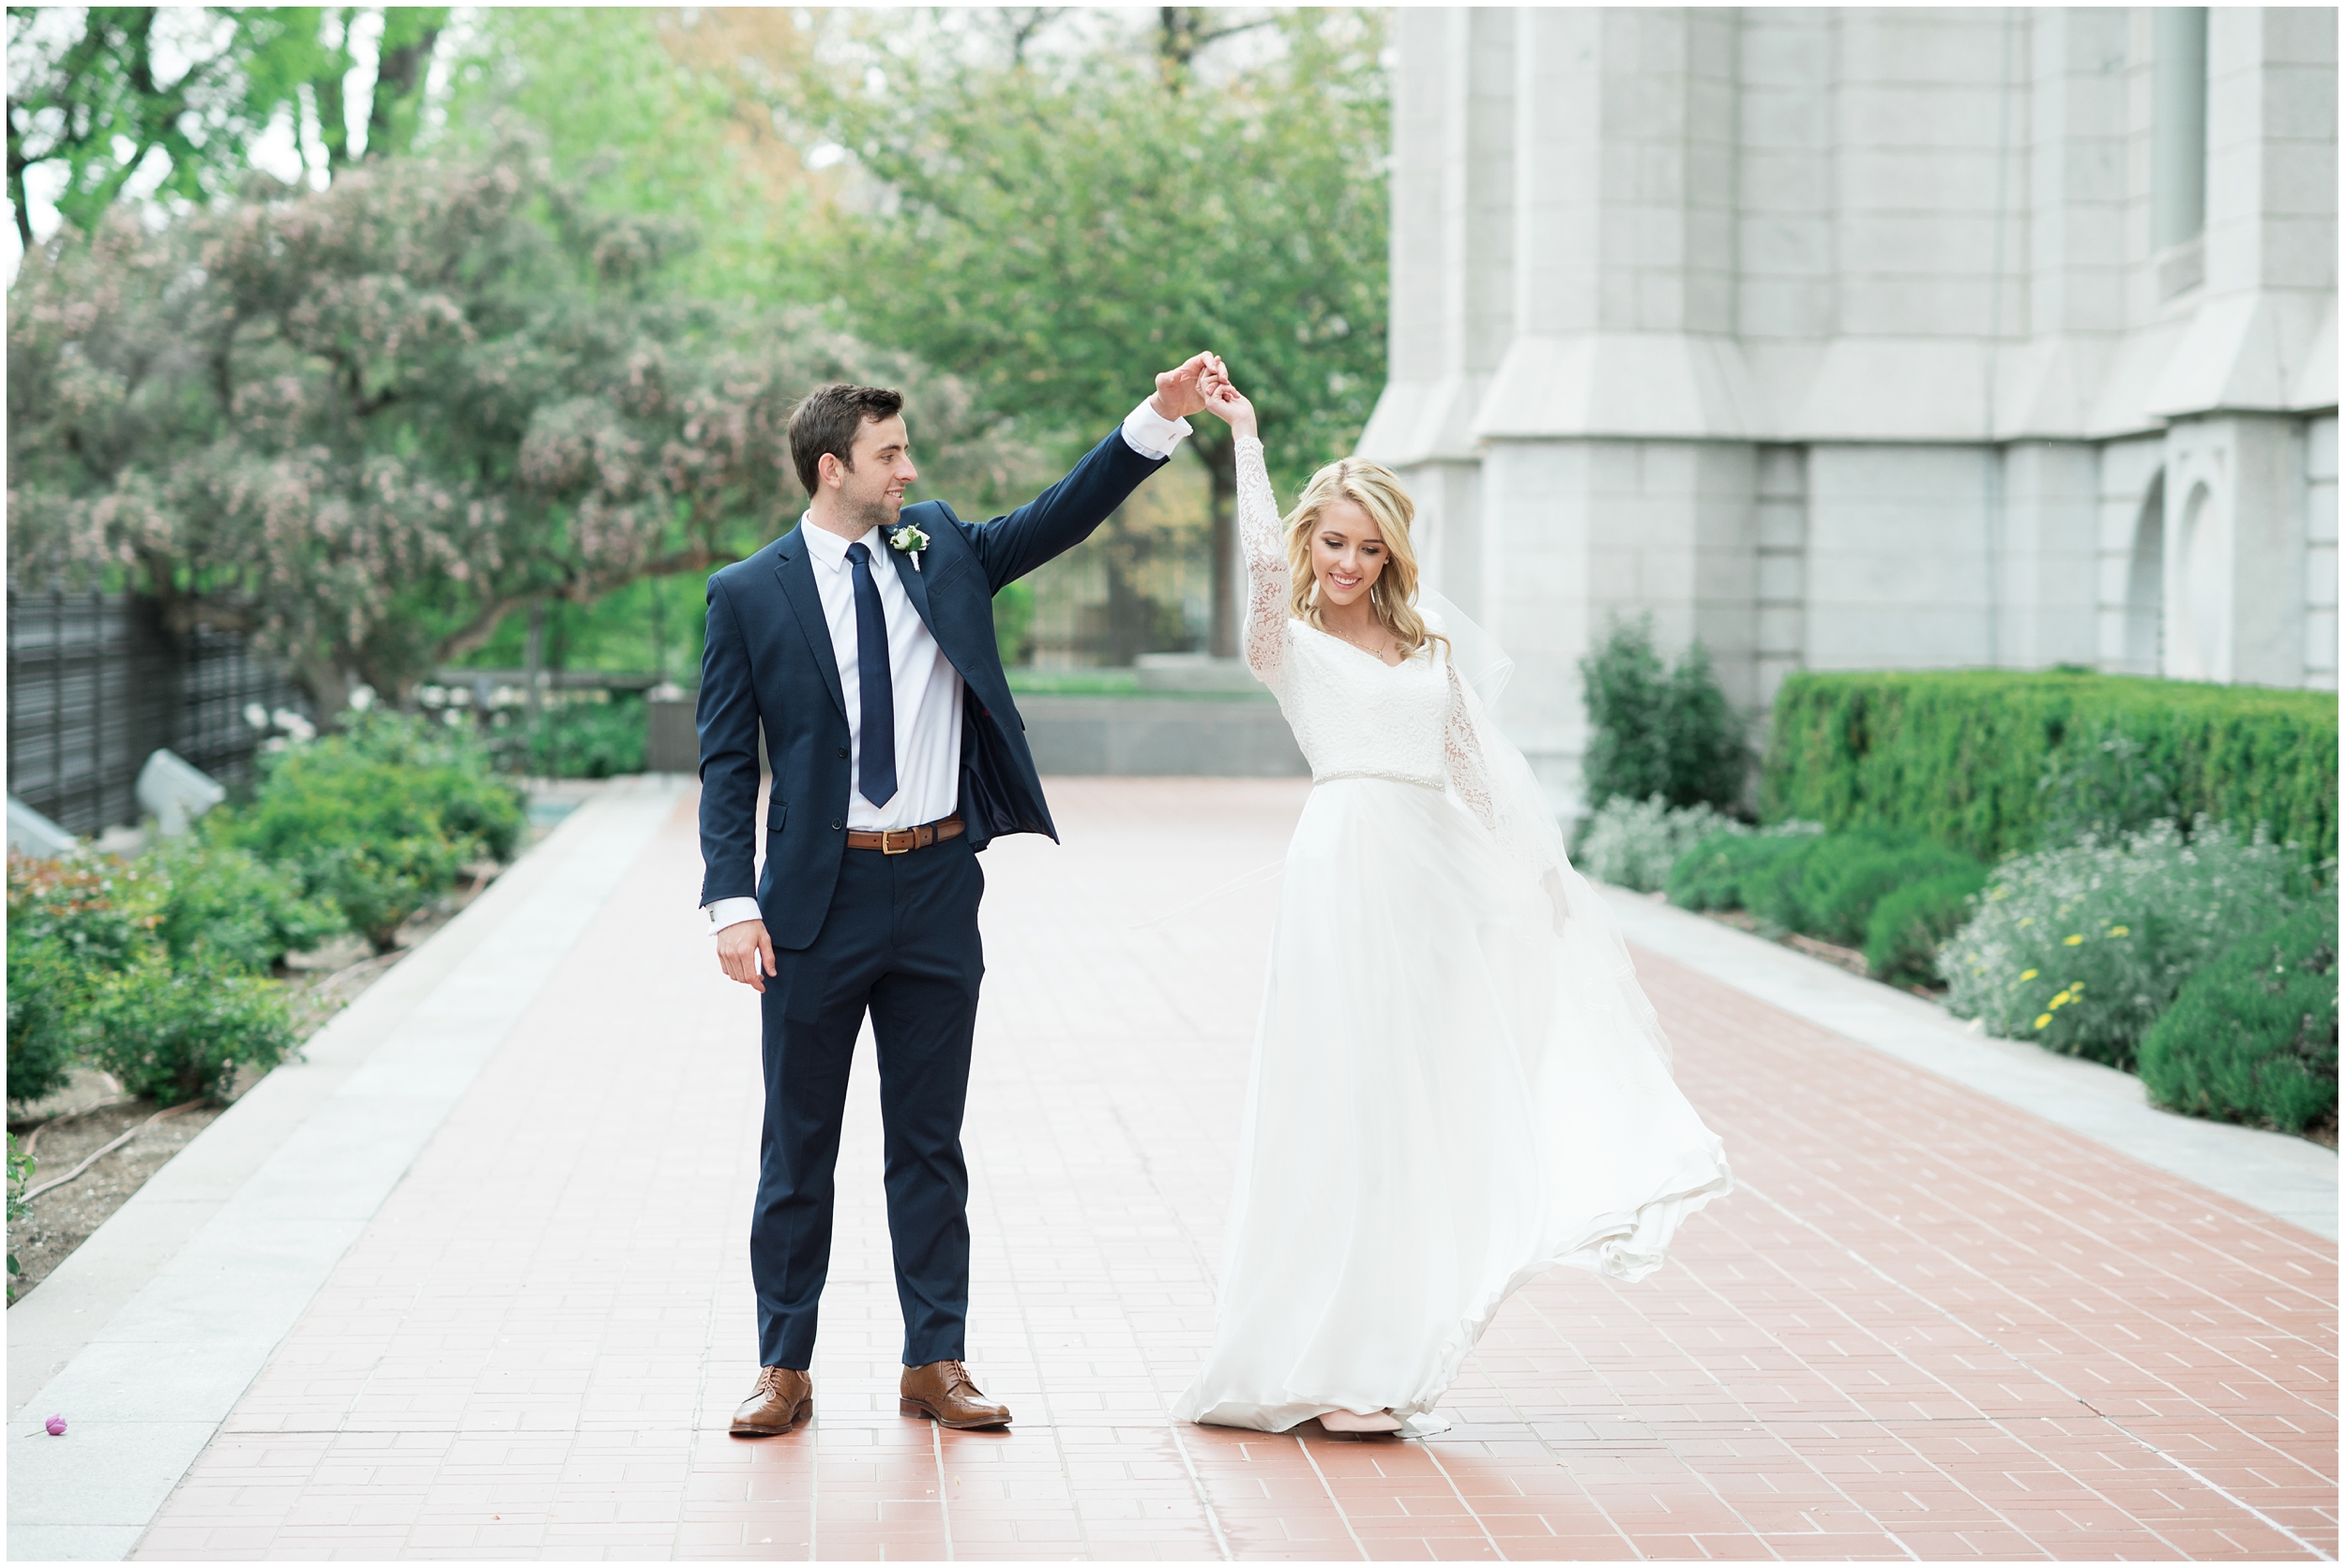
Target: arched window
{"type": "Point", "coordinates": [2196, 642]}
{"type": "Point", "coordinates": [2145, 586]}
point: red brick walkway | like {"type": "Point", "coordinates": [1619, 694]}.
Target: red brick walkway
{"type": "Point", "coordinates": [1925, 1325]}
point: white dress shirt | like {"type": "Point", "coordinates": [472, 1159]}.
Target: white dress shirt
{"type": "Point", "coordinates": [927, 687]}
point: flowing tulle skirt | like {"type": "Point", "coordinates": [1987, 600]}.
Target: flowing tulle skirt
{"type": "Point", "coordinates": [1448, 1098]}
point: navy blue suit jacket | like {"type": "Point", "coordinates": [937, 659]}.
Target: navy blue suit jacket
{"type": "Point", "coordinates": [769, 662]}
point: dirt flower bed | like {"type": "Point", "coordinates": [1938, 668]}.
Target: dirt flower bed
{"type": "Point", "coordinates": [91, 1111]}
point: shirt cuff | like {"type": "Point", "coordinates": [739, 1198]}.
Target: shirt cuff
{"type": "Point", "coordinates": [731, 912]}
{"type": "Point", "coordinates": [1151, 434]}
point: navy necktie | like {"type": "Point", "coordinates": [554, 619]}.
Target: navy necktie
{"type": "Point", "coordinates": [876, 778]}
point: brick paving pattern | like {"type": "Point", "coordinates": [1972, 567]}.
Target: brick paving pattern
{"type": "Point", "coordinates": [1925, 1325]}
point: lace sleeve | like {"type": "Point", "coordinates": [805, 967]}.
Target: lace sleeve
{"type": "Point", "coordinates": [1501, 813]}
{"type": "Point", "coordinates": [1466, 775]}
{"type": "Point", "coordinates": [1267, 579]}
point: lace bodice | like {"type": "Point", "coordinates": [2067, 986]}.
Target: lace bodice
{"type": "Point", "coordinates": [1354, 715]}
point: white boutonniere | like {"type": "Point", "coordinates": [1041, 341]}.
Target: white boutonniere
{"type": "Point", "coordinates": [907, 538]}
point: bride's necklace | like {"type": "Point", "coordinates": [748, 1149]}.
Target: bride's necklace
{"type": "Point", "coordinates": [1376, 653]}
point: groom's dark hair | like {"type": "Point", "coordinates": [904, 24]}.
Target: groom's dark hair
{"type": "Point", "coordinates": [829, 420]}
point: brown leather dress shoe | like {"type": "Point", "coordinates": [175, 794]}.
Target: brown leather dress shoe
{"type": "Point", "coordinates": [942, 1391]}
{"type": "Point", "coordinates": [781, 1399]}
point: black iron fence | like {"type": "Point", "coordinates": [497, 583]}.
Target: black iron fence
{"type": "Point", "coordinates": [96, 685]}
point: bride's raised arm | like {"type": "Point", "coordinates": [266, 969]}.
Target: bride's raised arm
{"type": "Point", "coordinates": [1268, 579]}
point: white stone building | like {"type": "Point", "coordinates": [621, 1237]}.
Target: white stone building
{"type": "Point", "coordinates": [1870, 338]}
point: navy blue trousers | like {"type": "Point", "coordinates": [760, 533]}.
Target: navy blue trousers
{"type": "Point", "coordinates": [899, 943]}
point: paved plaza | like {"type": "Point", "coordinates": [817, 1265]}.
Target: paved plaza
{"type": "Point", "coordinates": [473, 1283]}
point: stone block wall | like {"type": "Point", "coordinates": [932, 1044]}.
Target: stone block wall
{"type": "Point", "coordinates": [1846, 338]}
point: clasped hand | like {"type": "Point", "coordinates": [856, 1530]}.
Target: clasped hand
{"type": "Point", "coordinates": [1202, 385]}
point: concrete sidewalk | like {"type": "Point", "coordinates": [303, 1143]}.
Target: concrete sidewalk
{"type": "Point", "coordinates": [473, 1282]}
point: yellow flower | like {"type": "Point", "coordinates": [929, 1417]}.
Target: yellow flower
{"type": "Point", "coordinates": [2029, 973]}
{"type": "Point", "coordinates": [2042, 1021]}
{"type": "Point", "coordinates": [2072, 942]}
{"type": "Point", "coordinates": [2062, 1001]}
{"type": "Point", "coordinates": [2025, 920]}
{"type": "Point", "coordinates": [2121, 931]}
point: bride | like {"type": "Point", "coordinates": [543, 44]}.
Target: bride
{"type": "Point", "coordinates": [1457, 1083]}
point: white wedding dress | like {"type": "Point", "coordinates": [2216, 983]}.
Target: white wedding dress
{"type": "Point", "coordinates": [1457, 1083]}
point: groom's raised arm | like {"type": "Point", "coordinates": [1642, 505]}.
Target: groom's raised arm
{"type": "Point", "coordinates": [1065, 515]}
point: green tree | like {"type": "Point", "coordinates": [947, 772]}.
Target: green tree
{"type": "Point", "coordinates": [1655, 730]}
{"type": "Point", "coordinates": [646, 113]}
{"type": "Point", "coordinates": [104, 91]}
{"type": "Point", "coordinates": [365, 423]}
{"type": "Point", "coordinates": [1055, 228]}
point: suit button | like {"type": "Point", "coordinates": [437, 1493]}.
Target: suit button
{"type": "Point", "coordinates": [843, 753]}
{"type": "Point", "coordinates": [836, 827]}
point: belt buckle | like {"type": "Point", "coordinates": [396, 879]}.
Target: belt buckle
{"type": "Point", "coordinates": [887, 840]}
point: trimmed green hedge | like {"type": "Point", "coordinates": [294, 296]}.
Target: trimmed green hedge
{"type": "Point", "coordinates": [1990, 761]}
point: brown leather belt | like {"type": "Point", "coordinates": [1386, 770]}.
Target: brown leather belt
{"type": "Point", "coordinates": [903, 840]}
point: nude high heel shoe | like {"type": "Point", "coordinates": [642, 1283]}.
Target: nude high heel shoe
{"type": "Point", "coordinates": [1344, 1421]}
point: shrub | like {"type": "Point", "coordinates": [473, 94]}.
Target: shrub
{"type": "Point", "coordinates": [1715, 874]}
{"type": "Point", "coordinates": [448, 767]}
{"type": "Point", "coordinates": [590, 740]}
{"type": "Point", "coordinates": [1013, 620]}
{"type": "Point", "coordinates": [1911, 922]}
{"type": "Point", "coordinates": [1656, 732]}
{"type": "Point", "coordinates": [178, 1032]}
{"type": "Point", "coordinates": [227, 902]}
{"type": "Point", "coordinates": [378, 820]}
{"type": "Point", "coordinates": [2252, 1036]}
{"type": "Point", "coordinates": [1634, 843]}
{"type": "Point", "coordinates": [1985, 760]}
{"type": "Point", "coordinates": [44, 988]}
{"type": "Point", "coordinates": [20, 1178]}
{"type": "Point", "coordinates": [1830, 888]}
{"type": "Point", "coordinates": [71, 923]}
{"type": "Point", "coordinates": [2082, 948]}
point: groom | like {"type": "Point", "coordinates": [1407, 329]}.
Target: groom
{"type": "Point", "coordinates": [862, 644]}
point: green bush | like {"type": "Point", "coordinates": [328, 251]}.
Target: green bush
{"type": "Point", "coordinates": [1657, 732]}
{"type": "Point", "coordinates": [228, 902]}
{"type": "Point", "coordinates": [1013, 620]}
{"type": "Point", "coordinates": [590, 740]}
{"type": "Point", "coordinates": [1830, 889]}
{"type": "Point", "coordinates": [1911, 922]}
{"type": "Point", "coordinates": [2252, 1036]}
{"type": "Point", "coordinates": [1837, 886]}
{"type": "Point", "coordinates": [1716, 873]}
{"type": "Point", "coordinates": [44, 988]}
{"type": "Point", "coordinates": [447, 766]}
{"type": "Point", "coordinates": [70, 924]}
{"type": "Point", "coordinates": [2082, 948]}
{"type": "Point", "coordinates": [174, 1033]}
{"type": "Point", "coordinates": [1633, 843]}
{"type": "Point", "coordinates": [378, 820]}
{"type": "Point", "coordinates": [1987, 761]}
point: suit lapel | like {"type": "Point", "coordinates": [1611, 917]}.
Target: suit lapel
{"type": "Point", "coordinates": [916, 589]}
{"type": "Point", "coordinates": [798, 586]}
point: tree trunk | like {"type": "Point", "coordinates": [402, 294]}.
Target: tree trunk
{"type": "Point", "coordinates": [532, 659]}
{"type": "Point", "coordinates": [399, 83]}
{"type": "Point", "coordinates": [1221, 467]}
{"type": "Point", "coordinates": [328, 687]}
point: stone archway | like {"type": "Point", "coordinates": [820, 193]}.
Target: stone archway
{"type": "Point", "coordinates": [2197, 575]}
{"type": "Point", "coordinates": [2145, 586]}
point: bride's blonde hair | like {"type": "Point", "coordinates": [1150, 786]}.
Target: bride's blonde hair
{"type": "Point", "coordinates": [1376, 490]}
